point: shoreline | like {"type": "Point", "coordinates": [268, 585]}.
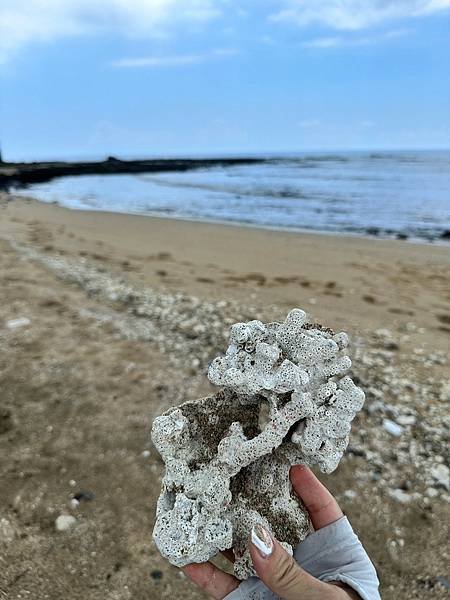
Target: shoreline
{"type": "Point", "coordinates": [240, 224]}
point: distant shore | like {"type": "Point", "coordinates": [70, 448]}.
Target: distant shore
{"type": "Point", "coordinates": [38, 172]}
{"type": "Point", "coordinates": [377, 196]}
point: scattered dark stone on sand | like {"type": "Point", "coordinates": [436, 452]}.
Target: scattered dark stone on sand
{"type": "Point", "coordinates": [392, 346]}
{"type": "Point", "coordinates": [401, 311]}
{"type": "Point", "coordinates": [156, 574]}
{"type": "Point", "coordinates": [373, 230]}
{"type": "Point", "coordinates": [6, 422]}
{"type": "Point", "coordinates": [402, 236]}
{"type": "Point", "coordinates": [445, 235]}
{"type": "Point", "coordinates": [355, 451]}
{"type": "Point", "coordinates": [84, 496]}
{"type": "Point", "coordinates": [258, 278]}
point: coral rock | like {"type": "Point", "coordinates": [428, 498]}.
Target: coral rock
{"type": "Point", "coordinates": [284, 400]}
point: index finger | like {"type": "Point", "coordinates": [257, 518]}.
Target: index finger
{"type": "Point", "coordinates": [321, 505]}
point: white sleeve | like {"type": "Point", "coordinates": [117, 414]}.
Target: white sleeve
{"type": "Point", "coordinates": [333, 553]}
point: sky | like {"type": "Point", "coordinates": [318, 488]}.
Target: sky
{"type": "Point", "coordinates": [92, 78]}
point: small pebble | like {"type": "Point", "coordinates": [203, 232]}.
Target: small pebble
{"type": "Point", "coordinates": [65, 522]}
{"type": "Point", "coordinates": [16, 323]}
{"type": "Point", "coordinates": [156, 574]}
{"type": "Point", "coordinates": [441, 474]}
{"type": "Point", "coordinates": [400, 496]}
{"type": "Point", "coordinates": [350, 494]}
{"type": "Point", "coordinates": [393, 428]}
{"type": "Point", "coordinates": [406, 420]}
{"type": "Point", "coordinates": [443, 582]}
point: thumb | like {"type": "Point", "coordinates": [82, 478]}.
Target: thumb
{"type": "Point", "coordinates": [279, 571]}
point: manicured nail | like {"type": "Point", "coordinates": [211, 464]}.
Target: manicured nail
{"type": "Point", "coordinates": [261, 540]}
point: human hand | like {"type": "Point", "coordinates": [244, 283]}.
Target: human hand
{"type": "Point", "coordinates": [280, 572]}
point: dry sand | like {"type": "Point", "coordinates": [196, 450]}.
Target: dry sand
{"type": "Point", "coordinates": [115, 336]}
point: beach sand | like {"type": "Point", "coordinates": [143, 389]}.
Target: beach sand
{"type": "Point", "coordinates": [124, 314]}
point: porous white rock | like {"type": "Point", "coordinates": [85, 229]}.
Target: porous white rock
{"type": "Point", "coordinates": [284, 400]}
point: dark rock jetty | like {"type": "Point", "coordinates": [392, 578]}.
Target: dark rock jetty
{"type": "Point", "coordinates": [13, 174]}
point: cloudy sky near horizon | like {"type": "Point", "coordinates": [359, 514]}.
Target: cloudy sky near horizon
{"type": "Point", "coordinates": [88, 78]}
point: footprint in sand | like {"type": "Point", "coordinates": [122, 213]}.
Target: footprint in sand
{"type": "Point", "coordinates": [370, 299]}
{"type": "Point", "coordinates": [330, 289]}
{"type": "Point", "coordinates": [257, 278]}
{"type": "Point", "coordinates": [445, 320]}
{"type": "Point", "coordinates": [160, 256]}
{"type": "Point", "coordinates": [286, 280]}
{"type": "Point", "coordinates": [401, 311]}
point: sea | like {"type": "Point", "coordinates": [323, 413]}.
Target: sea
{"type": "Point", "coordinates": [403, 195]}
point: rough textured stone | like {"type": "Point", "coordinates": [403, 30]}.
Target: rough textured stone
{"type": "Point", "coordinates": [284, 400]}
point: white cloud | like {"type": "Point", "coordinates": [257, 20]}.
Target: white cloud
{"type": "Point", "coordinates": [309, 123]}
{"type": "Point", "coordinates": [23, 22]}
{"type": "Point", "coordinates": [367, 40]}
{"type": "Point", "coordinates": [354, 14]}
{"type": "Point", "coordinates": [174, 60]}
{"type": "Point", "coordinates": [368, 124]}
{"type": "Point", "coordinates": [324, 42]}
{"type": "Point", "coordinates": [225, 52]}
{"type": "Point", "coordinates": [159, 61]}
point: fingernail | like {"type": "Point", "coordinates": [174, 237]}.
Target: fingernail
{"type": "Point", "coordinates": [261, 540]}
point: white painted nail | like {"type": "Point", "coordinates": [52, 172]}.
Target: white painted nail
{"type": "Point", "coordinates": [262, 540]}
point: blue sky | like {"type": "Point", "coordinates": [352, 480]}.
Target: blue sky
{"type": "Point", "coordinates": [88, 78]}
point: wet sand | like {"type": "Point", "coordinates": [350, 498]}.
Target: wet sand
{"type": "Point", "coordinates": [365, 282]}
{"type": "Point", "coordinates": [81, 381]}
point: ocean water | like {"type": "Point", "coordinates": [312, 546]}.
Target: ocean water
{"type": "Point", "coordinates": [395, 194]}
